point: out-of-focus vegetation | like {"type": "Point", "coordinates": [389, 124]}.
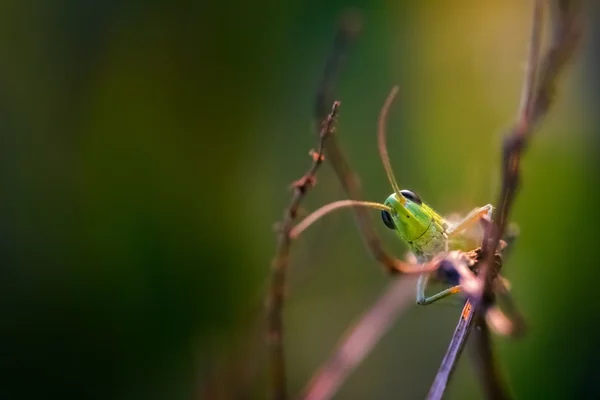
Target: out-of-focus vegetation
{"type": "Point", "coordinates": [145, 152]}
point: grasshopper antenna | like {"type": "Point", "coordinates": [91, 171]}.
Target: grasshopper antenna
{"type": "Point", "coordinates": [326, 209]}
{"type": "Point", "coordinates": [385, 158]}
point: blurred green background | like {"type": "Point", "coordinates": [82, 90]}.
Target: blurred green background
{"type": "Point", "coordinates": [146, 150]}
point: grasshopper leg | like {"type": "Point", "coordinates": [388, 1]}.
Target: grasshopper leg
{"type": "Point", "coordinates": [469, 284]}
{"type": "Point", "coordinates": [471, 219]}
{"type": "Point", "coordinates": [422, 300]}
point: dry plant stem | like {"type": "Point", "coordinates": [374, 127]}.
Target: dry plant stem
{"type": "Point", "coordinates": [278, 389]}
{"type": "Point", "coordinates": [360, 340]}
{"type": "Point", "coordinates": [459, 338]}
{"type": "Point", "coordinates": [345, 37]}
{"type": "Point", "coordinates": [537, 97]}
{"type": "Point", "coordinates": [486, 367]}
{"type": "Point", "coordinates": [348, 31]}
{"type": "Point", "coordinates": [511, 159]}
{"type": "Point", "coordinates": [491, 379]}
{"type": "Point", "coordinates": [457, 343]}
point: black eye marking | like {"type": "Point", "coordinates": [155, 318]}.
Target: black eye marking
{"type": "Point", "coordinates": [412, 196]}
{"type": "Point", "coordinates": [387, 219]}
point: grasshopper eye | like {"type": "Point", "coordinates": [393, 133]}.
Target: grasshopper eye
{"type": "Point", "coordinates": [412, 196]}
{"type": "Point", "coordinates": [387, 219]}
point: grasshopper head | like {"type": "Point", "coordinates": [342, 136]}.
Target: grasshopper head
{"type": "Point", "coordinates": [409, 217]}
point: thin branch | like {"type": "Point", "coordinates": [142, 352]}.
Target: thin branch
{"type": "Point", "coordinates": [566, 27]}
{"type": "Point", "coordinates": [348, 30]}
{"type": "Point", "coordinates": [279, 267]}
{"type": "Point", "coordinates": [360, 340]}
{"type": "Point", "coordinates": [519, 132]}
{"type": "Point", "coordinates": [349, 180]}
{"type": "Point", "coordinates": [535, 104]}
{"type": "Point", "coordinates": [457, 343]}
{"type": "Point", "coordinates": [461, 333]}
{"type": "Point", "coordinates": [537, 97]}
{"type": "Point", "coordinates": [535, 42]}
{"type": "Point", "coordinates": [492, 380]}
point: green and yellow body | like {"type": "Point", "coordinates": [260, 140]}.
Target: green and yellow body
{"type": "Point", "coordinates": [418, 225]}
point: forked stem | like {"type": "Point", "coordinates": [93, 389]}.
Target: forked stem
{"type": "Point", "coordinates": [279, 266]}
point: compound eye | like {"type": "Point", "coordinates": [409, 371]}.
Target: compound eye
{"type": "Point", "coordinates": [387, 219]}
{"type": "Point", "coordinates": [412, 196]}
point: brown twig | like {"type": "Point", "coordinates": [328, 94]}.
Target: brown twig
{"type": "Point", "coordinates": [457, 343]}
{"type": "Point", "coordinates": [280, 263]}
{"type": "Point", "coordinates": [335, 155]}
{"type": "Point", "coordinates": [360, 340]}
{"type": "Point", "coordinates": [515, 142]}
{"type": "Point", "coordinates": [460, 336]}
{"type": "Point", "coordinates": [492, 381]}
{"type": "Point", "coordinates": [537, 98]}
{"type": "Point", "coordinates": [348, 30]}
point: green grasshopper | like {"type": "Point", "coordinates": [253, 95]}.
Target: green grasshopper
{"type": "Point", "coordinates": [426, 233]}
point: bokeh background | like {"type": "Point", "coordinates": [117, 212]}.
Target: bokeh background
{"type": "Point", "coordinates": [146, 149]}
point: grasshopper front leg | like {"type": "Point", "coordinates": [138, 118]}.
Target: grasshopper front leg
{"type": "Point", "coordinates": [471, 219]}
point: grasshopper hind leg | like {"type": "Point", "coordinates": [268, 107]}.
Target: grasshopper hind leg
{"type": "Point", "coordinates": [422, 282]}
{"type": "Point", "coordinates": [423, 300]}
